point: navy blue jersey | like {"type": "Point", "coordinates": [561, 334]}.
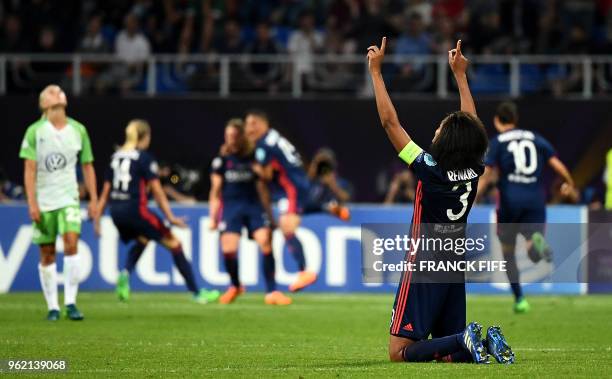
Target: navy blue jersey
{"type": "Point", "coordinates": [289, 173]}
{"type": "Point", "coordinates": [239, 179]}
{"type": "Point", "coordinates": [520, 156]}
{"type": "Point", "coordinates": [443, 196]}
{"type": "Point", "coordinates": [128, 172]}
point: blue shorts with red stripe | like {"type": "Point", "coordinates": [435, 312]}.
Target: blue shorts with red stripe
{"type": "Point", "coordinates": [423, 309]}
{"type": "Point", "coordinates": [133, 221]}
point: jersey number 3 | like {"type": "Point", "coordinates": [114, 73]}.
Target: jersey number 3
{"type": "Point", "coordinates": [463, 199]}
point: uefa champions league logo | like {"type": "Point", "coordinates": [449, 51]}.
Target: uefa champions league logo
{"type": "Point", "coordinates": [55, 161]}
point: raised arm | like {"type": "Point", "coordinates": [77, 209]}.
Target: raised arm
{"type": "Point", "coordinates": [459, 64]}
{"type": "Point", "coordinates": [386, 111]}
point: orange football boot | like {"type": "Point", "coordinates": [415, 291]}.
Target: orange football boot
{"type": "Point", "coordinates": [340, 211]}
{"type": "Point", "coordinates": [231, 294]}
{"type": "Point", "coordinates": [305, 278]}
{"type": "Point", "coordinates": [277, 298]}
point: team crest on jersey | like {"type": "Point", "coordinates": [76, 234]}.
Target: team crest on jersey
{"type": "Point", "coordinates": [55, 161]}
{"type": "Point", "coordinates": [260, 154]}
{"type": "Point", "coordinates": [429, 160]}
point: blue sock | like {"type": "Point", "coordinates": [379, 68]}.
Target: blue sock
{"type": "Point", "coordinates": [231, 266]}
{"type": "Point", "coordinates": [133, 256]}
{"type": "Point", "coordinates": [462, 356]}
{"type": "Point", "coordinates": [295, 248]}
{"type": "Point", "coordinates": [185, 269]}
{"type": "Point", "coordinates": [269, 268]}
{"type": "Point", "coordinates": [513, 276]}
{"type": "Point", "coordinates": [435, 348]}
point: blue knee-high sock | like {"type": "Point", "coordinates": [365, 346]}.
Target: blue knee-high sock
{"type": "Point", "coordinates": [184, 268]}
{"type": "Point", "coordinates": [513, 276]}
{"type": "Point", "coordinates": [231, 266]}
{"type": "Point", "coordinates": [462, 356]}
{"type": "Point", "coordinates": [435, 348]}
{"type": "Point", "coordinates": [269, 268]}
{"type": "Point", "coordinates": [295, 248]}
{"type": "Point", "coordinates": [133, 256]}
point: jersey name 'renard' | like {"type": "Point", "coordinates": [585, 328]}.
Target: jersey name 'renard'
{"type": "Point", "coordinates": [461, 175]}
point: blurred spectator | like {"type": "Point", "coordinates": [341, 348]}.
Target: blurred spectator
{"type": "Point", "coordinates": [263, 75]}
{"type": "Point", "coordinates": [132, 49]}
{"type": "Point", "coordinates": [326, 186]}
{"type": "Point", "coordinates": [423, 8]}
{"type": "Point", "coordinates": [304, 43]}
{"type": "Point", "coordinates": [230, 42]}
{"type": "Point", "coordinates": [444, 38]}
{"type": "Point", "coordinates": [402, 188]}
{"type": "Point", "coordinates": [9, 191]}
{"type": "Point", "coordinates": [342, 14]}
{"type": "Point", "coordinates": [371, 25]}
{"type": "Point", "coordinates": [12, 40]}
{"type": "Point", "coordinates": [414, 41]}
{"type": "Point", "coordinates": [334, 76]}
{"type": "Point", "coordinates": [93, 41]}
{"type": "Point", "coordinates": [44, 72]}
{"type": "Point", "coordinates": [173, 181]}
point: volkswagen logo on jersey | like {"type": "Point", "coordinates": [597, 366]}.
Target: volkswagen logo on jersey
{"type": "Point", "coordinates": [55, 161]}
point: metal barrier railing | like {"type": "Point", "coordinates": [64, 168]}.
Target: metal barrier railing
{"type": "Point", "coordinates": [223, 75]}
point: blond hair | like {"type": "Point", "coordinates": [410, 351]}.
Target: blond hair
{"type": "Point", "coordinates": [135, 131]}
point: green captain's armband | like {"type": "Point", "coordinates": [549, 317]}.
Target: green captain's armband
{"type": "Point", "coordinates": [410, 152]}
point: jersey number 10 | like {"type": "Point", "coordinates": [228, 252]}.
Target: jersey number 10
{"type": "Point", "coordinates": [519, 150]}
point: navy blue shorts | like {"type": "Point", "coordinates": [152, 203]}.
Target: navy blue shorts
{"type": "Point", "coordinates": [423, 309]}
{"type": "Point", "coordinates": [234, 217]}
{"type": "Point", "coordinates": [512, 221]}
{"type": "Point", "coordinates": [138, 221]}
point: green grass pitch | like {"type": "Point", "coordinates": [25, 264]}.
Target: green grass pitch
{"type": "Point", "coordinates": [320, 335]}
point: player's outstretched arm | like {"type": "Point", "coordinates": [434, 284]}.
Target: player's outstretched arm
{"type": "Point", "coordinates": [89, 176]}
{"type": "Point", "coordinates": [214, 200]}
{"type": "Point", "coordinates": [386, 111]}
{"type": "Point", "coordinates": [459, 64]}
{"type": "Point", "coordinates": [29, 182]}
{"type": "Point", "coordinates": [160, 198]}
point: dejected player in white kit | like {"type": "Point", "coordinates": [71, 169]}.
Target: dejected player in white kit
{"type": "Point", "coordinates": [51, 148]}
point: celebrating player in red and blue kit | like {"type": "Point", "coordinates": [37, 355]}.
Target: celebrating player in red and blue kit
{"type": "Point", "coordinates": [131, 172]}
{"type": "Point", "coordinates": [447, 179]}
{"type": "Point", "coordinates": [237, 199]}
{"type": "Point", "coordinates": [279, 162]}
{"type": "Point", "coordinates": [517, 157]}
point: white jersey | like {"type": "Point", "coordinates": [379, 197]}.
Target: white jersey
{"type": "Point", "coordinates": [56, 152]}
